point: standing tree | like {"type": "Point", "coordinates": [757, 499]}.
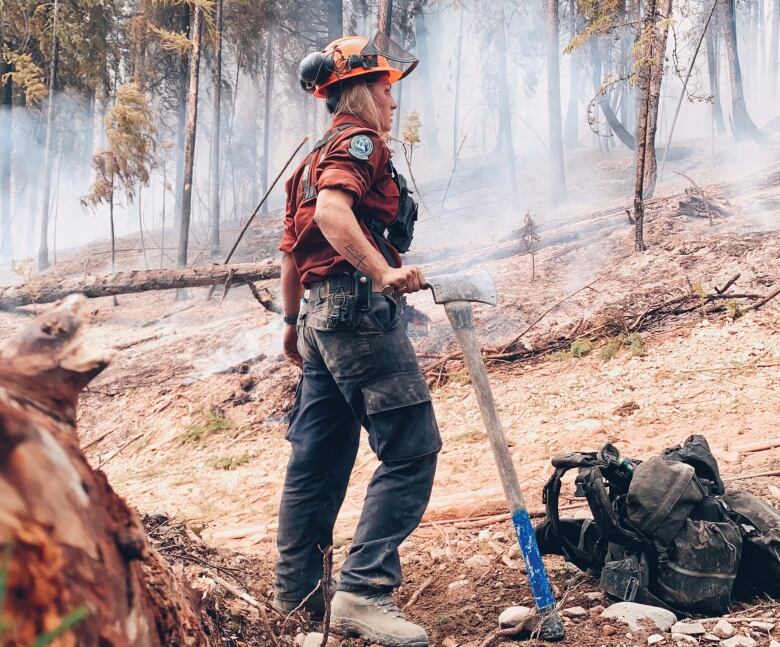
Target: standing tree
{"type": "Point", "coordinates": [742, 124]}
{"type": "Point", "coordinates": [6, 153]}
{"type": "Point", "coordinates": [711, 41]}
{"type": "Point", "coordinates": [557, 171]}
{"type": "Point", "coordinates": [189, 145]}
{"type": "Point", "coordinates": [125, 163]}
{"type": "Point", "coordinates": [43, 249]}
{"type": "Point", "coordinates": [774, 45]}
{"type": "Point", "coordinates": [269, 89]}
{"type": "Point", "coordinates": [214, 174]}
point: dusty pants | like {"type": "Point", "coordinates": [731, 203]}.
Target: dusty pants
{"type": "Point", "coordinates": [368, 375]}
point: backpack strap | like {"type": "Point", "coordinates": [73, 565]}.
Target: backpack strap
{"type": "Point", "coordinates": [308, 188]}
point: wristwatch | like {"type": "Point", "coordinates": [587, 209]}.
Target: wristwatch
{"type": "Point", "coordinates": [291, 320]}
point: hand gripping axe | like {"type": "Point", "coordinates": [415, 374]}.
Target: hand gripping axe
{"type": "Point", "coordinates": [456, 292]}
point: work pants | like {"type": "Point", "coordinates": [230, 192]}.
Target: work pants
{"type": "Point", "coordinates": [367, 375]}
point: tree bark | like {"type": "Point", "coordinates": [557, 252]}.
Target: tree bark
{"type": "Point", "coordinates": [430, 133]}
{"type": "Point", "coordinates": [657, 58]}
{"type": "Point", "coordinates": [189, 145]}
{"type": "Point", "coordinates": [774, 45]}
{"type": "Point", "coordinates": [645, 74]}
{"type": "Point", "coordinates": [76, 548]}
{"type": "Point", "coordinates": [602, 100]}
{"type": "Point", "coordinates": [456, 109]}
{"type": "Point", "coordinates": [49, 290]}
{"type": "Point", "coordinates": [267, 107]}
{"type": "Point", "coordinates": [43, 249]}
{"type": "Point", "coordinates": [385, 16]}
{"type": "Point", "coordinates": [6, 160]}
{"type": "Point", "coordinates": [505, 143]}
{"type": "Point", "coordinates": [214, 174]}
{"type": "Point", "coordinates": [554, 128]}
{"type": "Point", "coordinates": [571, 128]}
{"type": "Point", "coordinates": [711, 40]}
{"type": "Point", "coordinates": [742, 123]}
{"type": "Point", "coordinates": [181, 121]}
{"type": "Point", "coordinates": [335, 13]}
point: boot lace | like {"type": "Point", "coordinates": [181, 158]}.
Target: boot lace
{"type": "Point", "coordinates": [386, 604]}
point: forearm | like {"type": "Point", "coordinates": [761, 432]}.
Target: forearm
{"type": "Point", "coordinates": [292, 290]}
{"type": "Point", "coordinates": [342, 230]}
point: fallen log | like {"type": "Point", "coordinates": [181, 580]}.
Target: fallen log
{"type": "Point", "coordinates": [46, 289]}
{"type": "Point", "coordinates": [74, 555]}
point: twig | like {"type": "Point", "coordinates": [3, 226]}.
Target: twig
{"type": "Point", "coordinates": [729, 283]}
{"type": "Point", "coordinates": [452, 173]}
{"type": "Point", "coordinates": [416, 595]}
{"type": "Point", "coordinates": [228, 282]}
{"type": "Point", "coordinates": [753, 475]}
{"type": "Point", "coordinates": [764, 301]}
{"type": "Point", "coordinates": [266, 300]}
{"type": "Point", "coordinates": [243, 595]}
{"type": "Point", "coordinates": [94, 442]}
{"type": "Point", "coordinates": [758, 447]}
{"type": "Point", "coordinates": [701, 193]}
{"type": "Point", "coordinates": [119, 451]}
{"type": "Point", "coordinates": [544, 314]}
{"type": "Point", "coordinates": [300, 606]}
{"type": "Point", "coordinates": [327, 568]}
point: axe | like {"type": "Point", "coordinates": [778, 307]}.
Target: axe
{"type": "Point", "coordinates": [456, 292]}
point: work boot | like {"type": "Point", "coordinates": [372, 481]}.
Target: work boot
{"type": "Point", "coordinates": [376, 618]}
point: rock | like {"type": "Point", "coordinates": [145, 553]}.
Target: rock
{"type": "Point", "coordinates": [594, 595]}
{"type": "Point", "coordinates": [689, 628]}
{"type": "Point", "coordinates": [711, 638]}
{"type": "Point", "coordinates": [684, 638]}
{"type": "Point", "coordinates": [449, 641]}
{"type": "Point", "coordinates": [574, 612]}
{"type": "Point", "coordinates": [608, 630]}
{"type": "Point", "coordinates": [314, 639]}
{"type": "Point", "coordinates": [513, 616]}
{"type": "Point", "coordinates": [655, 639]}
{"type": "Point", "coordinates": [484, 535]}
{"type": "Point", "coordinates": [596, 611]}
{"type": "Point", "coordinates": [514, 550]}
{"type": "Point", "coordinates": [774, 643]}
{"type": "Point", "coordinates": [632, 614]}
{"type": "Point", "coordinates": [299, 639]}
{"type": "Point", "coordinates": [762, 626]}
{"type": "Point", "coordinates": [477, 561]}
{"type": "Point", "coordinates": [739, 641]}
{"type": "Point", "coordinates": [723, 629]}
{"type": "Point", "coordinates": [457, 584]}
{"type": "Point", "coordinates": [501, 536]}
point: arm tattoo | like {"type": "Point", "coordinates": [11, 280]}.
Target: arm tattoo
{"type": "Point", "coordinates": [357, 256]}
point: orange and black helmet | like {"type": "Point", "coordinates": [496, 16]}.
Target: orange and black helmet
{"type": "Point", "coordinates": [351, 57]}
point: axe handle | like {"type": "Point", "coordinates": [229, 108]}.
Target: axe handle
{"type": "Point", "coordinates": [460, 316]}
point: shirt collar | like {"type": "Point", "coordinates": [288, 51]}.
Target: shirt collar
{"type": "Point", "coordinates": [340, 120]}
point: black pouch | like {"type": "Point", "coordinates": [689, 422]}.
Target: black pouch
{"type": "Point", "coordinates": [401, 231]}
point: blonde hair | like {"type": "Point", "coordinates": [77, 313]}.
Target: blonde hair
{"type": "Point", "coordinates": [357, 99]}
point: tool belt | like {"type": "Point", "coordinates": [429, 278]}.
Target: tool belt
{"type": "Point", "coordinates": [337, 302]}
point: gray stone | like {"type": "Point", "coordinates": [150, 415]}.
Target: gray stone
{"type": "Point", "coordinates": [593, 596]}
{"type": "Point", "coordinates": [574, 612]}
{"type": "Point", "coordinates": [774, 643]}
{"type": "Point", "coordinates": [634, 614]}
{"type": "Point", "coordinates": [477, 561]}
{"type": "Point", "coordinates": [739, 641]}
{"type": "Point", "coordinates": [723, 629]}
{"type": "Point", "coordinates": [655, 639]}
{"type": "Point", "coordinates": [689, 628]}
{"type": "Point", "coordinates": [513, 616]}
{"type": "Point", "coordinates": [710, 638]}
{"type": "Point", "coordinates": [314, 639]}
{"type": "Point", "coordinates": [762, 626]}
{"type": "Point", "coordinates": [684, 638]}
{"type": "Point", "coordinates": [457, 584]}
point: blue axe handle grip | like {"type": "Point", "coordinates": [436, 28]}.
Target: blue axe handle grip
{"type": "Point", "coordinates": [537, 575]}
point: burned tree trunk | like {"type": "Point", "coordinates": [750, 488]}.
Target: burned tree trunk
{"type": "Point", "coordinates": [51, 290]}
{"type": "Point", "coordinates": [189, 146]}
{"type": "Point", "coordinates": [712, 70]}
{"type": "Point", "coordinates": [742, 123]}
{"type": "Point", "coordinates": [555, 128]}
{"type": "Point", "coordinates": [216, 137]}
{"type": "Point", "coordinates": [6, 157]}
{"type": "Point", "coordinates": [656, 57]}
{"type": "Point", "coordinates": [603, 101]}
{"type": "Point", "coordinates": [78, 554]}
{"type": "Point", "coordinates": [646, 38]}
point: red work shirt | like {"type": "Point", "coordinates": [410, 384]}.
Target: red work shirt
{"type": "Point", "coordinates": [349, 163]}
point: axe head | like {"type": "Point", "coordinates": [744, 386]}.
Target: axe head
{"type": "Point", "coordinates": [463, 287]}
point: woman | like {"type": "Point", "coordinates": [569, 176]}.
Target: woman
{"type": "Point", "coordinates": [347, 217]}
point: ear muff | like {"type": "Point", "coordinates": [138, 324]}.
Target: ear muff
{"type": "Point", "coordinates": [314, 70]}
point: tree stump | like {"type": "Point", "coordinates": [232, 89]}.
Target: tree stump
{"type": "Point", "coordinates": [70, 542]}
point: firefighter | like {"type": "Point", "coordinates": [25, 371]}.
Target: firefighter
{"type": "Point", "coordinates": [348, 217]}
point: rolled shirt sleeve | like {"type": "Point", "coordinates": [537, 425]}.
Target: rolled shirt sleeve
{"type": "Point", "coordinates": [351, 163]}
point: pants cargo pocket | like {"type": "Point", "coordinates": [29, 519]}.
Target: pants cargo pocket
{"type": "Point", "coordinates": [401, 423]}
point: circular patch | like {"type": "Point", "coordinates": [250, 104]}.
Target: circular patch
{"type": "Point", "coordinates": [361, 147]}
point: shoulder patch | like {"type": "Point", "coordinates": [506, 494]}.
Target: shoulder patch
{"type": "Point", "coordinates": [361, 147]}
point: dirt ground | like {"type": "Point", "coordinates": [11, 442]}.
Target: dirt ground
{"type": "Point", "coordinates": [188, 422]}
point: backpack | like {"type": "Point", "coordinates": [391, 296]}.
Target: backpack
{"type": "Point", "coordinates": [665, 531]}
